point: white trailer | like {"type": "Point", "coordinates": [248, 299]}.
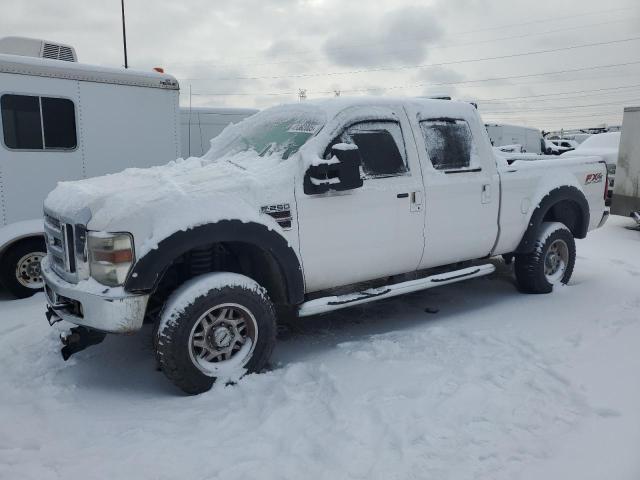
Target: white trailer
{"type": "Point", "coordinates": [502, 134]}
{"type": "Point", "coordinates": [198, 125]}
{"type": "Point", "coordinates": [626, 194]}
{"type": "Point", "coordinates": [62, 120]}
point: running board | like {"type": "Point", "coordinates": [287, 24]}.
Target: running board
{"type": "Point", "coordinates": [328, 304]}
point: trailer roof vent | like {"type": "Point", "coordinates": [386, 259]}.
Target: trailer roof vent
{"type": "Point", "coordinates": [58, 52]}
{"type": "Point", "coordinates": [33, 47]}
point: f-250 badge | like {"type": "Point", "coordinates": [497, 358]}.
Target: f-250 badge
{"type": "Point", "coordinates": [593, 178]}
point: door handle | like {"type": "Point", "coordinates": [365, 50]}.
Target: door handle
{"type": "Point", "coordinates": [416, 201]}
{"type": "Point", "coordinates": [403, 195]}
{"type": "Point", "coordinates": [486, 193]}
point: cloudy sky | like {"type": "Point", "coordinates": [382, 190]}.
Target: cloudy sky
{"type": "Point", "coordinates": [547, 64]}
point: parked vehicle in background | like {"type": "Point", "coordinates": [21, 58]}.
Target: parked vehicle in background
{"type": "Point", "coordinates": [198, 125]}
{"type": "Point", "coordinates": [303, 209]}
{"type": "Point", "coordinates": [551, 148]}
{"type": "Point", "coordinates": [626, 193]}
{"type": "Point", "coordinates": [565, 145]}
{"type": "Point", "coordinates": [581, 137]}
{"type": "Point", "coordinates": [605, 145]}
{"type": "Point", "coordinates": [62, 120]}
{"type": "Point", "coordinates": [509, 149]}
{"type": "Point", "coordinates": [503, 134]}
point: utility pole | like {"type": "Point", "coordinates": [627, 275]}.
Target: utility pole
{"type": "Point", "coordinates": [124, 36]}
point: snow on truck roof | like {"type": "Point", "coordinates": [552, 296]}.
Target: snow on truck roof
{"type": "Point", "coordinates": [435, 107]}
{"type": "Point", "coordinates": [42, 67]}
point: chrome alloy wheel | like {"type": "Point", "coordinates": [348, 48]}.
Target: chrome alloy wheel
{"type": "Point", "coordinates": [556, 261]}
{"type": "Point", "coordinates": [220, 335]}
{"type": "Point", "coordinates": [28, 271]}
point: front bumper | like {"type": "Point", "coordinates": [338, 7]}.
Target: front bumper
{"type": "Point", "coordinates": [105, 309]}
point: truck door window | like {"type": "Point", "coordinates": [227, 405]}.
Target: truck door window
{"type": "Point", "coordinates": [381, 147]}
{"type": "Point", "coordinates": [449, 143]}
{"type": "Point", "coordinates": [38, 123]}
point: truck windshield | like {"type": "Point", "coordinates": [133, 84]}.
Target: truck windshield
{"type": "Point", "coordinates": [277, 132]}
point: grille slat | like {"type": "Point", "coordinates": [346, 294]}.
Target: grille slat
{"type": "Point", "coordinates": [60, 242]}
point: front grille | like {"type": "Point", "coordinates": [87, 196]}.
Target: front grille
{"type": "Point", "coordinates": [60, 246]}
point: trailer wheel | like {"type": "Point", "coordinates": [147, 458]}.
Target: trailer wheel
{"type": "Point", "coordinates": [20, 267]}
{"type": "Point", "coordinates": [218, 325]}
{"type": "Point", "coordinates": [550, 263]}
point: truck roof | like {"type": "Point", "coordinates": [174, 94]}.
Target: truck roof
{"type": "Point", "coordinates": [42, 67]}
{"type": "Point", "coordinates": [435, 107]}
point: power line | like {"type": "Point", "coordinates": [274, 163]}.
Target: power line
{"type": "Point", "coordinates": [430, 84]}
{"type": "Point", "coordinates": [621, 102]}
{"type": "Point", "coordinates": [487, 100]}
{"type": "Point", "coordinates": [428, 65]}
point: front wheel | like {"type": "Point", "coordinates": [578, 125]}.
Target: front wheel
{"type": "Point", "coordinates": [550, 263]}
{"type": "Point", "coordinates": [20, 267]}
{"type": "Point", "coordinates": [219, 325]}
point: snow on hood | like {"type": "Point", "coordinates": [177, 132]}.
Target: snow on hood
{"type": "Point", "coordinates": [157, 201]}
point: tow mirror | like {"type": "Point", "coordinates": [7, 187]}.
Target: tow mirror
{"type": "Point", "coordinates": [341, 172]}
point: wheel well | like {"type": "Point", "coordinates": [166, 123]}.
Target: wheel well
{"type": "Point", "coordinates": [567, 212]}
{"type": "Point", "coordinates": [565, 204]}
{"type": "Point", "coordinates": [17, 241]}
{"type": "Point", "coordinates": [234, 256]}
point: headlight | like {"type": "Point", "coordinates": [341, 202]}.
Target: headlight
{"type": "Point", "coordinates": [110, 257]}
{"type": "Point", "coordinates": [611, 169]}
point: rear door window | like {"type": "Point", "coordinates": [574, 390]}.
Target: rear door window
{"type": "Point", "coordinates": [31, 122]}
{"type": "Point", "coordinates": [449, 143]}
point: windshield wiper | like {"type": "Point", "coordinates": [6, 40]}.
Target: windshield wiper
{"type": "Point", "coordinates": [236, 165]}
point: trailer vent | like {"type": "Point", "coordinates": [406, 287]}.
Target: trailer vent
{"type": "Point", "coordinates": [58, 52]}
{"type": "Point", "coordinates": [34, 47]}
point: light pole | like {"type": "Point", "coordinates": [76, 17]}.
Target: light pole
{"type": "Point", "coordinates": [124, 36]}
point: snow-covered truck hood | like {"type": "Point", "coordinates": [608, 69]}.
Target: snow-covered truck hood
{"type": "Point", "coordinates": [152, 203]}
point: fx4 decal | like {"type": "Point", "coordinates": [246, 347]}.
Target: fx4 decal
{"type": "Point", "coordinates": [593, 178]}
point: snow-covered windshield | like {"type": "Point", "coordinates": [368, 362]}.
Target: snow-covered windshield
{"type": "Point", "coordinates": [276, 132]}
{"type": "Point", "coordinates": [601, 140]}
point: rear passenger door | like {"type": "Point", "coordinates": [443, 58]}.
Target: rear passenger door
{"type": "Point", "coordinates": [373, 231]}
{"type": "Point", "coordinates": [462, 191]}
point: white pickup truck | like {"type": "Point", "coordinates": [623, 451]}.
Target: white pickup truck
{"type": "Point", "coordinates": [302, 209]}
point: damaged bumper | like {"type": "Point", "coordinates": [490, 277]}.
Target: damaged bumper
{"type": "Point", "coordinates": [110, 310]}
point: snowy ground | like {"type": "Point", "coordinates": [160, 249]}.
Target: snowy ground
{"type": "Point", "coordinates": [495, 385]}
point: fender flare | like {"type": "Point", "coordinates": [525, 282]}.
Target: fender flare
{"type": "Point", "coordinates": [555, 196]}
{"type": "Point", "coordinates": [148, 269]}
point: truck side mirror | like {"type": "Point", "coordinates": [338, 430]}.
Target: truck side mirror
{"type": "Point", "coordinates": [341, 172]}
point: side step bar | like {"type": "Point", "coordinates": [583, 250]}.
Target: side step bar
{"type": "Point", "coordinates": [328, 304]}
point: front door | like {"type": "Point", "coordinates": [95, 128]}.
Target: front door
{"type": "Point", "coordinates": [372, 231]}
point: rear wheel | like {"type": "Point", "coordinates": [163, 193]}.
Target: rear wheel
{"type": "Point", "coordinates": [20, 267]}
{"type": "Point", "coordinates": [550, 263]}
{"type": "Point", "coordinates": [219, 325]}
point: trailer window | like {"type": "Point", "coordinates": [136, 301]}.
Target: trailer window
{"type": "Point", "coordinates": [449, 143]}
{"type": "Point", "coordinates": [38, 123]}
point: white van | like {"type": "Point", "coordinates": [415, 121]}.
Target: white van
{"type": "Point", "coordinates": [62, 120]}
{"type": "Point", "coordinates": [502, 134]}
{"type": "Point", "coordinates": [198, 125]}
